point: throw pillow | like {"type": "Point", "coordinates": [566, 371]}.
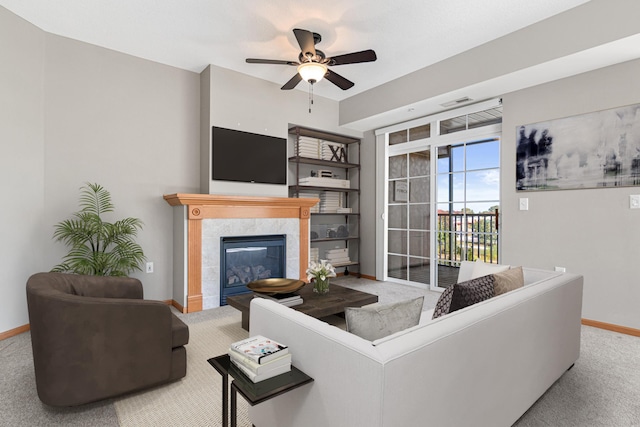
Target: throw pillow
{"type": "Point", "coordinates": [442, 306]}
{"type": "Point", "coordinates": [483, 268]}
{"type": "Point", "coordinates": [471, 292]}
{"type": "Point", "coordinates": [508, 280]}
{"type": "Point", "coordinates": [379, 320]}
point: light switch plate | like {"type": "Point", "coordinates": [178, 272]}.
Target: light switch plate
{"type": "Point", "coordinates": [524, 204]}
{"type": "Point", "coordinates": [634, 201]}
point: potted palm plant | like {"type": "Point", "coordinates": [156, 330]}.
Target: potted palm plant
{"type": "Point", "coordinates": [98, 247]}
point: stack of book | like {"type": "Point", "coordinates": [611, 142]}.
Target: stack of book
{"type": "Point", "coordinates": [338, 256]}
{"type": "Point", "coordinates": [330, 202]}
{"type": "Point", "coordinates": [309, 147]}
{"type": "Point", "coordinates": [260, 358]}
{"type": "Point", "coordinates": [314, 254]}
{"type": "Point", "coordinates": [289, 299]}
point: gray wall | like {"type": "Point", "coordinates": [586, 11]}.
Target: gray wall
{"type": "Point", "coordinates": [74, 113]}
{"type": "Point", "coordinates": [587, 26]}
{"type": "Point", "coordinates": [368, 205]}
{"type": "Point", "coordinates": [21, 163]}
{"type": "Point", "coordinates": [239, 101]}
{"type": "Point", "coordinates": [590, 232]}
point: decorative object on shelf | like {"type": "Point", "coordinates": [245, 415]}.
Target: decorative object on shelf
{"type": "Point", "coordinates": [98, 248]}
{"type": "Point", "coordinates": [275, 285]}
{"type": "Point", "coordinates": [320, 274]}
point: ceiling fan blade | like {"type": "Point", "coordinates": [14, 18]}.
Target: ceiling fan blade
{"type": "Point", "coordinates": [270, 61]}
{"type": "Point", "coordinates": [338, 80]}
{"type": "Point", "coordinates": [354, 58]}
{"type": "Point", "coordinates": [306, 42]}
{"type": "Point", "coordinates": [292, 83]}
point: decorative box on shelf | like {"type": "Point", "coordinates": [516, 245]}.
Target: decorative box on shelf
{"type": "Point", "coordinates": [332, 231]}
{"type": "Point", "coordinates": [316, 181]}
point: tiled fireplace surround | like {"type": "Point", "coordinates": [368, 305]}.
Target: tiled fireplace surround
{"type": "Point", "coordinates": [200, 221]}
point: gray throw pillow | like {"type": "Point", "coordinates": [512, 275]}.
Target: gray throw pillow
{"type": "Point", "coordinates": [380, 320]}
{"type": "Point", "coordinates": [471, 292]}
{"type": "Point", "coordinates": [508, 280]}
{"type": "Point", "coordinates": [443, 304]}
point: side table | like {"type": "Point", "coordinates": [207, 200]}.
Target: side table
{"type": "Point", "coordinates": [253, 393]}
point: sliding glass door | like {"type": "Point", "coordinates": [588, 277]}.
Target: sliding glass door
{"type": "Point", "coordinates": [441, 198]}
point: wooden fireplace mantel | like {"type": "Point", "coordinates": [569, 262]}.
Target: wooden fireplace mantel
{"type": "Point", "coordinates": [209, 206]}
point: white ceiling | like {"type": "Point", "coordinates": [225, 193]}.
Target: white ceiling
{"type": "Point", "coordinates": [407, 35]}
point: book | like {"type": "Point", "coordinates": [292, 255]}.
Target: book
{"type": "Point", "coordinates": [292, 303]}
{"type": "Point", "coordinates": [289, 299]}
{"type": "Point", "coordinates": [282, 298]}
{"type": "Point", "coordinates": [257, 368]}
{"type": "Point", "coordinates": [261, 377]}
{"type": "Point", "coordinates": [256, 388]}
{"type": "Point", "coordinates": [260, 349]}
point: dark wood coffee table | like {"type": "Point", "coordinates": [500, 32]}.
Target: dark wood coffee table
{"type": "Point", "coordinates": [313, 304]}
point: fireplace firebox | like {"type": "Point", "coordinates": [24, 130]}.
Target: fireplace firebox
{"type": "Point", "coordinates": [244, 259]}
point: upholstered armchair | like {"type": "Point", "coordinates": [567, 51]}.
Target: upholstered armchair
{"type": "Point", "coordinates": [94, 337]}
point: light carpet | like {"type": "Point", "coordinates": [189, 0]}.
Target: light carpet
{"type": "Point", "coordinates": [195, 400]}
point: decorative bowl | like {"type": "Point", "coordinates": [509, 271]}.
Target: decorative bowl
{"type": "Point", "coordinates": [275, 285]}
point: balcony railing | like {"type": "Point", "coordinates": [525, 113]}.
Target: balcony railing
{"type": "Point", "coordinates": [467, 237]}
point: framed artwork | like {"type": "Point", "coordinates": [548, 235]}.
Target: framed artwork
{"type": "Point", "coordinates": [594, 150]}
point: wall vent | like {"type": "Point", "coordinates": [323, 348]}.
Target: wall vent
{"type": "Point", "coordinates": [456, 102]}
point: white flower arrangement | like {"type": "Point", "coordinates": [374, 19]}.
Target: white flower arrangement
{"type": "Point", "coordinates": [320, 271]}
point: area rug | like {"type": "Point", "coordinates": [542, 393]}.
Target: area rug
{"type": "Point", "coordinates": [196, 399]}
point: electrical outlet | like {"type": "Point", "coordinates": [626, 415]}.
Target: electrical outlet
{"type": "Point", "coordinates": [634, 201]}
{"type": "Point", "coordinates": [149, 267]}
{"type": "Point", "coordinates": [561, 269]}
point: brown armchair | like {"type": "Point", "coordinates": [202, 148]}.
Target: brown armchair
{"type": "Point", "coordinates": [94, 337]}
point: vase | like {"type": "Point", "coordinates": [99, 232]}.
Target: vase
{"type": "Point", "coordinates": [321, 287]}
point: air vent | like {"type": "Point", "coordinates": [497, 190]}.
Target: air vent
{"type": "Point", "coordinates": [456, 102]}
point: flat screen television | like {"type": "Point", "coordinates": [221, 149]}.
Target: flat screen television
{"type": "Point", "coordinates": [248, 157]}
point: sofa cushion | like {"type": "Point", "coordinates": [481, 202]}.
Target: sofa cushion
{"type": "Point", "coordinates": [443, 304]}
{"type": "Point", "coordinates": [471, 292]}
{"type": "Point", "coordinates": [508, 280]}
{"type": "Point", "coordinates": [179, 332]}
{"type": "Point", "coordinates": [379, 320]}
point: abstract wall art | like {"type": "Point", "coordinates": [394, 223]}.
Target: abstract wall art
{"type": "Point", "coordinates": [593, 150]}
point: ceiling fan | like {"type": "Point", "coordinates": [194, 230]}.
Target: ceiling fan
{"type": "Point", "coordinates": [312, 63]}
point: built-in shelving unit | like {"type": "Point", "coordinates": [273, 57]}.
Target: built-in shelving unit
{"type": "Point", "coordinates": [335, 221]}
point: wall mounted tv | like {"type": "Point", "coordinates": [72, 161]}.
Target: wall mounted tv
{"type": "Point", "coordinates": [248, 157]}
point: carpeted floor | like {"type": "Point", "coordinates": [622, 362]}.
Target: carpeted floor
{"type": "Point", "coordinates": [602, 390]}
{"type": "Point", "coordinates": [194, 400]}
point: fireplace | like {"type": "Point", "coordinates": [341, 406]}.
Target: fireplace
{"type": "Point", "coordinates": [201, 219]}
{"type": "Point", "coordinates": [244, 259]}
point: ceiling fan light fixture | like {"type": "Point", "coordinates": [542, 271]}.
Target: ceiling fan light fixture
{"type": "Point", "coordinates": [312, 72]}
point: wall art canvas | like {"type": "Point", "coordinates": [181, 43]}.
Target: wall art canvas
{"type": "Point", "coordinates": [594, 150]}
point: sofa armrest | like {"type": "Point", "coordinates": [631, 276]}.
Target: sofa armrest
{"type": "Point", "coordinates": [87, 348]}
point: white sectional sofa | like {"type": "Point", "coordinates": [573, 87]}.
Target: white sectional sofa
{"type": "Point", "coordinates": [484, 365]}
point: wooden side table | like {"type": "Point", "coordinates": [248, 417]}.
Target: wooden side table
{"type": "Point", "coordinates": [253, 393]}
